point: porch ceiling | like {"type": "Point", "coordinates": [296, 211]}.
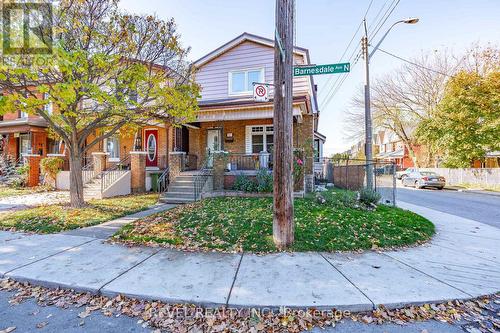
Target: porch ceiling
{"type": "Point", "coordinates": [240, 114]}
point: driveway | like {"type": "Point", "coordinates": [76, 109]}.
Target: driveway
{"type": "Point", "coordinates": [484, 208]}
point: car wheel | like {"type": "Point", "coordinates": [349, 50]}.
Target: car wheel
{"type": "Point", "coordinates": [417, 185]}
{"type": "Point", "coordinates": [403, 177]}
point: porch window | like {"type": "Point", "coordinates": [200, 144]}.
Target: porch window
{"type": "Point", "coordinates": [262, 139]}
{"type": "Point", "coordinates": [241, 82]}
{"type": "Point", "coordinates": [24, 144]}
{"type": "Point", "coordinates": [54, 146]}
{"type": "Point", "coordinates": [113, 148]}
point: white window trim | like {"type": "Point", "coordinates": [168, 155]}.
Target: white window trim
{"type": "Point", "coordinates": [264, 133]}
{"type": "Point", "coordinates": [112, 159]}
{"type": "Point", "coordinates": [244, 70]}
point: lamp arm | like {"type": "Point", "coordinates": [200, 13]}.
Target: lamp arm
{"type": "Point", "coordinates": [382, 39]}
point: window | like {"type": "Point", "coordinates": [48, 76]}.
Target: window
{"type": "Point", "coordinates": [48, 106]}
{"type": "Point", "coordinates": [262, 139]}
{"type": "Point", "coordinates": [24, 144]}
{"type": "Point", "coordinates": [113, 148]}
{"type": "Point", "coordinates": [241, 82]}
{"type": "Point", "coordinates": [316, 150]}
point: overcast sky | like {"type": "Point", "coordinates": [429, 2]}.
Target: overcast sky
{"type": "Point", "coordinates": [325, 27]}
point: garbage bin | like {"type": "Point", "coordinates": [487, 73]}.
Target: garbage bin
{"type": "Point", "coordinates": [154, 182]}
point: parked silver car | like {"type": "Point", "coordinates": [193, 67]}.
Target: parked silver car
{"type": "Point", "coordinates": [421, 179]}
{"type": "Point", "coordinates": [404, 173]}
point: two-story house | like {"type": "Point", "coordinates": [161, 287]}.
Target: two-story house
{"type": "Point", "coordinates": [229, 119]}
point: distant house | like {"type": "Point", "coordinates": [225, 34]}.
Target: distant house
{"type": "Point", "coordinates": [391, 148]}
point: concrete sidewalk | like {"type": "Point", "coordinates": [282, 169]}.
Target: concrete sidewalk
{"type": "Point", "coordinates": [462, 261]}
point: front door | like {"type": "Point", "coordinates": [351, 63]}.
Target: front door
{"type": "Point", "coordinates": [151, 137]}
{"type": "Point", "coordinates": [214, 143]}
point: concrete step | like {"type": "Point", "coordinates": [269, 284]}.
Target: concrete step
{"type": "Point", "coordinates": [175, 200]}
{"type": "Point", "coordinates": [183, 189]}
{"type": "Point", "coordinates": [171, 194]}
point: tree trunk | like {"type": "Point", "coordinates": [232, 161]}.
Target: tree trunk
{"type": "Point", "coordinates": [76, 180]}
{"type": "Point", "coordinates": [283, 227]}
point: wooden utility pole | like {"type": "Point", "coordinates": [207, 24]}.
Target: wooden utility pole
{"type": "Point", "coordinates": [283, 226]}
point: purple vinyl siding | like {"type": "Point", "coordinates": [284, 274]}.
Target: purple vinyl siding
{"type": "Point", "coordinates": [213, 76]}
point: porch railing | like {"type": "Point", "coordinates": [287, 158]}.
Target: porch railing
{"type": "Point", "coordinates": [190, 162]}
{"type": "Point", "coordinates": [239, 161]}
{"type": "Point", "coordinates": [88, 172]}
{"type": "Point", "coordinates": [163, 181]}
{"type": "Point", "coordinates": [201, 178]}
{"type": "Point", "coordinates": [110, 176]}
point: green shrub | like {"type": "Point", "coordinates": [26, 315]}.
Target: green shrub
{"type": "Point", "coordinates": [369, 197]}
{"type": "Point", "coordinates": [51, 166]}
{"type": "Point", "coordinates": [264, 181]}
{"type": "Point", "coordinates": [244, 183]}
{"type": "Point", "coordinates": [23, 172]}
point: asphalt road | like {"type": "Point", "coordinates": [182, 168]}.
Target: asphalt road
{"type": "Point", "coordinates": [29, 317]}
{"type": "Point", "coordinates": [483, 208]}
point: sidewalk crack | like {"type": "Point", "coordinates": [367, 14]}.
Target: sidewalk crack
{"type": "Point", "coordinates": [46, 257]}
{"type": "Point", "coordinates": [355, 286]}
{"type": "Point", "coordinates": [127, 270]}
{"type": "Point", "coordinates": [433, 277]}
{"type": "Point", "coordinates": [234, 279]}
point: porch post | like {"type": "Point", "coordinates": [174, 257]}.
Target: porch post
{"type": "Point", "coordinates": [99, 159]}
{"type": "Point", "coordinates": [219, 167]}
{"type": "Point", "coordinates": [176, 163]}
{"type": "Point", "coordinates": [34, 169]}
{"type": "Point", "coordinates": [138, 171]}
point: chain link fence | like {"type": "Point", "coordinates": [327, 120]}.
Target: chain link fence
{"type": "Point", "coordinates": [350, 174]}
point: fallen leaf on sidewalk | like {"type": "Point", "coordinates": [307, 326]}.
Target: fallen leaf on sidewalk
{"type": "Point", "coordinates": [42, 324]}
{"type": "Point", "coordinates": [8, 329]}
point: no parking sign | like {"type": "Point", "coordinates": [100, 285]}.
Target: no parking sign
{"type": "Point", "coordinates": [261, 92]}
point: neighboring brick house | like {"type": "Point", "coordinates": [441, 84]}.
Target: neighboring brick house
{"type": "Point", "coordinates": [391, 148]}
{"type": "Point", "coordinates": [229, 119]}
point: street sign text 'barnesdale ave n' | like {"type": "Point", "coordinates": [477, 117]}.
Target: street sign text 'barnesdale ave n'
{"type": "Point", "coordinates": [321, 69]}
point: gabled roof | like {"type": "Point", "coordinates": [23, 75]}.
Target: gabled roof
{"type": "Point", "coordinates": [259, 40]}
{"type": "Point", "coordinates": [241, 39]}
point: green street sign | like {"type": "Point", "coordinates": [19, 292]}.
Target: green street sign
{"type": "Point", "coordinates": [322, 69]}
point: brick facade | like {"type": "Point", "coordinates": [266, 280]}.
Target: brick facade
{"type": "Point", "coordinates": [34, 170]}
{"type": "Point", "coordinates": [138, 171]}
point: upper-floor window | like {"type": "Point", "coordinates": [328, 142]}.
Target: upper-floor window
{"type": "Point", "coordinates": [48, 107]}
{"type": "Point", "coordinates": [241, 81]}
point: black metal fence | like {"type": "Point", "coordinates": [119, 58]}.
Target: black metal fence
{"type": "Point", "coordinates": [351, 174]}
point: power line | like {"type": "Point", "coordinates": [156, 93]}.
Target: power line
{"type": "Point", "coordinates": [386, 17]}
{"type": "Point", "coordinates": [334, 92]}
{"type": "Point", "coordinates": [378, 14]}
{"type": "Point", "coordinates": [343, 54]}
{"type": "Point", "coordinates": [413, 63]}
{"type": "Point", "coordinates": [332, 89]}
{"type": "Point", "coordinates": [368, 9]}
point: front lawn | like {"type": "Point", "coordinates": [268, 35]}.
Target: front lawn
{"type": "Point", "coordinates": [245, 224]}
{"type": "Point", "coordinates": [9, 191]}
{"type": "Point", "coordinates": [56, 218]}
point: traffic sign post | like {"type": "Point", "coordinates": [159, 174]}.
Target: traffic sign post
{"type": "Point", "coordinates": [321, 69]}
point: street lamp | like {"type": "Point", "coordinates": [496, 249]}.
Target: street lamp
{"type": "Point", "coordinates": [368, 116]}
